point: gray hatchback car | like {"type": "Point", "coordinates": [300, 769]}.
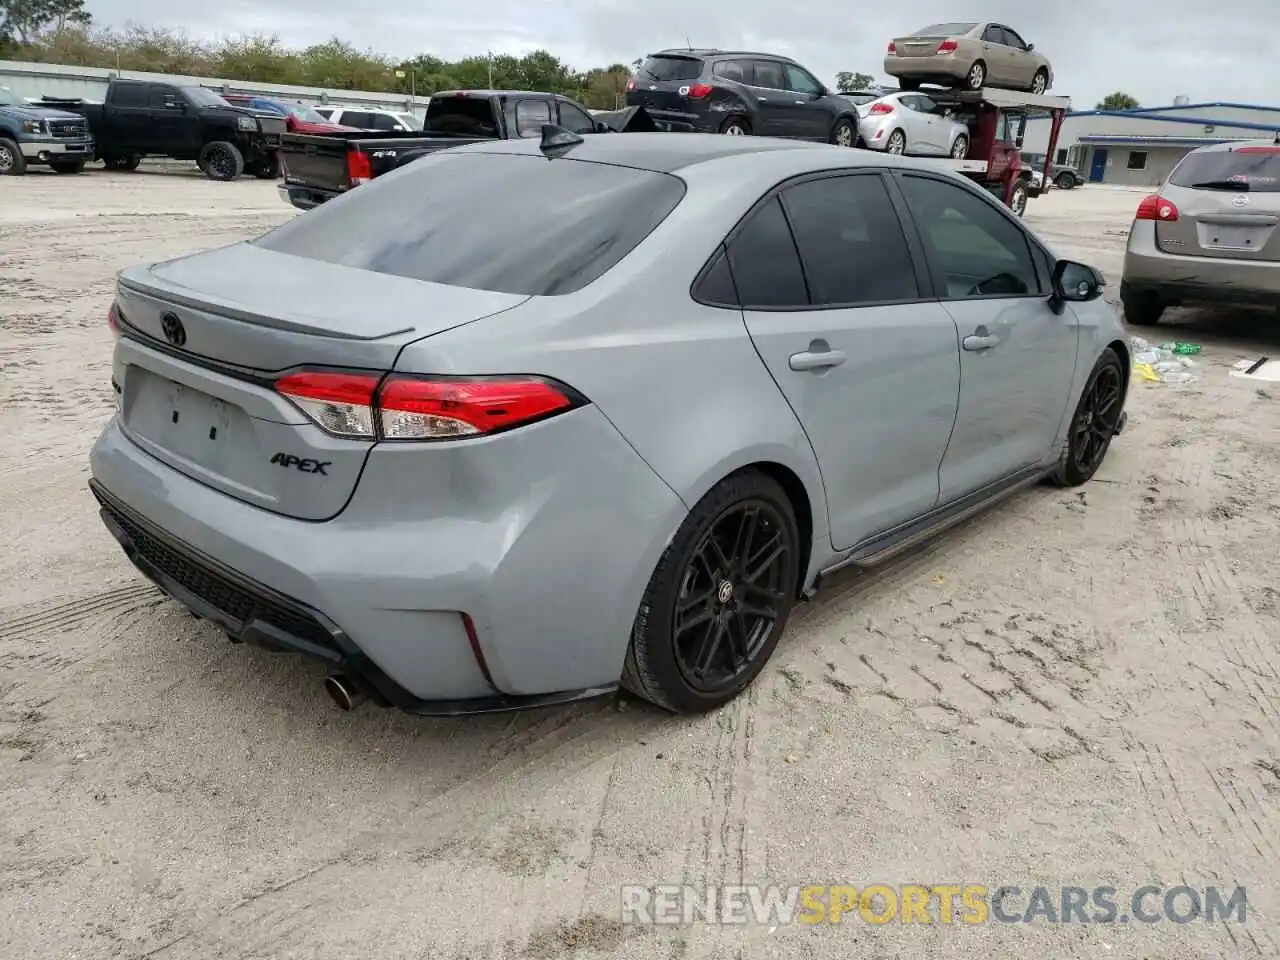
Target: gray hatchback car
{"type": "Point", "coordinates": [521, 421]}
{"type": "Point", "coordinates": [1211, 234]}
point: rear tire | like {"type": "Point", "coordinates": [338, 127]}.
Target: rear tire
{"type": "Point", "coordinates": [736, 127]}
{"type": "Point", "coordinates": [1141, 310]}
{"type": "Point", "coordinates": [1040, 82]}
{"type": "Point", "coordinates": [733, 620]}
{"type": "Point", "coordinates": [1066, 181]}
{"type": "Point", "coordinates": [123, 164]}
{"type": "Point", "coordinates": [908, 84]}
{"type": "Point", "coordinates": [1093, 424]}
{"type": "Point", "coordinates": [896, 144]}
{"type": "Point", "coordinates": [266, 169]}
{"type": "Point", "coordinates": [844, 133]}
{"type": "Point", "coordinates": [1018, 198]}
{"type": "Point", "coordinates": [221, 161]}
{"type": "Point", "coordinates": [960, 149]}
{"type": "Point", "coordinates": [976, 78]}
{"type": "Point", "coordinates": [12, 162]}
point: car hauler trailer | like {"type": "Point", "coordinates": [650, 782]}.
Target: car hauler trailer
{"type": "Point", "coordinates": [997, 122]}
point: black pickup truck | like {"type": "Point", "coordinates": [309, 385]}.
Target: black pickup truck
{"type": "Point", "coordinates": [140, 118]}
{"type": "Point", "coordinates": [319, 167]}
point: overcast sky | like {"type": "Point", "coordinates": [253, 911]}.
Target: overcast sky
{"type": "Point", "coordinates": [1152, 50]}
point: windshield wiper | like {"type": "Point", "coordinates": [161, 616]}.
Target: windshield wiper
{"type": "Point", "coordinates": [1243, 187]}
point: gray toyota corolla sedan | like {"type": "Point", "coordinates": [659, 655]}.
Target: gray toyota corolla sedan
{"type": "Point", "coordinates": [522, 421]}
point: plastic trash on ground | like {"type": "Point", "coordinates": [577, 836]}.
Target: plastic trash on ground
{"type": "Point", "coordinates": [1168, 363]}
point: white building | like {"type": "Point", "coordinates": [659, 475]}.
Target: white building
{"type": "Point", "coordinates": [1140, 147]}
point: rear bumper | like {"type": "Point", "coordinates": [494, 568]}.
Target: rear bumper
{"type": "Point", "coordinates": [941, 68]}
{"type": "Point", "coordinates": [304, 197]}
{"type": "Point", "coordinates": [1175, 279]}
{"type": "Point", "coordinates": [551, 583]}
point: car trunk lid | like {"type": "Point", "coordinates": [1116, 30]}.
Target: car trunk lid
{"type": "Point", "coordinates": [1228, 205]}
{"type": "Point", "coordinates": [206, 339]}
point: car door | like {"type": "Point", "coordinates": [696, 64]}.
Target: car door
{"type": "Point", "coordinates": [996, 54]}
{"type": "Point", "coordinates": [774, 102]}
{"type": "Point", "coordinates": [171, 118]}
{"type": "Point", "coordinates": [812, 118]}
{"type": "Point", "coordinates": [1022, 65]}
{"type": "Point", "coordinates": [841, 310]}
{"type": "Point", "coordinates": [130, 111]}
{"type": "Point", "coordinates": [922, 134]}
{"type": "Point", "coordinates": [1017, 357]}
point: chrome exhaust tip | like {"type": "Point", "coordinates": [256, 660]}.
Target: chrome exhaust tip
{"type": "Point", "coordinates": [344, 691]}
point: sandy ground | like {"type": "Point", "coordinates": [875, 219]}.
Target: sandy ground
{"type": "Point", "coordinates": [1078, 688]}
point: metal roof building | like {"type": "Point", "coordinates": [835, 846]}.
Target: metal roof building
{"type": "Point", "coordinates": [1140, 147]}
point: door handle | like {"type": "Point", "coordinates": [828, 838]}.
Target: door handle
{"type": "Point", "coordinates": [821, 358]}
{"type": "Point", "coordinates": [801, 102]}
{"type": "Point", "coordinates": [763, 99]}
{"type": "Point", "coordinates": [980, 341]}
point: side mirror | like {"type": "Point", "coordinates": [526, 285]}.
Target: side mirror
{"type": "Point", "coordinates": [602, 127]}
{"type": "Point", "coordinates": [1030, 47]}
{"type": "Point", "coordinates": [1075, 282]}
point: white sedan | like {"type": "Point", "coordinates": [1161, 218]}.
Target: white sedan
{"type": "Point", "coordinates": [911, 123]}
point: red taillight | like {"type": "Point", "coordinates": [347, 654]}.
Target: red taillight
{"type": "Point", "coordinates": [892, 47]}
{"type": "Point", "coordinates": [631, 85]}
{"type": "Point", "coordinates": [412, 408]}
{"type": "Point", "coordinates": [699, 90]}
{"type": "Point", "coordinates": [359, 169]}
{"type": "Point", "coordinates": [1156, 207]}
{"type": "Point", "coordinates": [113, 320]}
{"type": "Point", "coordinates": [880, 109]}
{"type": "Point", "coordinates": [948, 46]}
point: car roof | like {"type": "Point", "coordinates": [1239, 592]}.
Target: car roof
{"type": "Point", "coordinates": [672, 152]}
{"type": "Point", "coordinates": [711, 52]}
{"type": "Point", "coordinates": [1236, 144]}
{"type": "Point", "coordinates": [495, 93]}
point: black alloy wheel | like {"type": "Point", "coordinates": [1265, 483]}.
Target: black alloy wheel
{"type": "Point", "coordinates": [731, 595]}
{"type": "Point", "coordinates": [1095, 422]}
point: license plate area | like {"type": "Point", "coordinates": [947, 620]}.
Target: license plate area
{"type": "Point", "coordinates": [183, 422]}
{"type": "Point", "coordinates": [1217, 236]}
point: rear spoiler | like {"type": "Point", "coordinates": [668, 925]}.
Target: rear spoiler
{"type": "Point", "coordinates": [627, 120]}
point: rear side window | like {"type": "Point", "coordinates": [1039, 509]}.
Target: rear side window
{"type": "Point", "coordinates": [664, 68]}
{"type": "Point", "coordinates": [355, 118]}
{"type": "Point", "coordinates": [766, 267]}
{"type": "Point", "coordinates": [851, 241]}
{"type": "Point", "coordinates": [383, 121]}
{"type": "Point", "coordinates": [472, 116]}
{"type": "Point", "coordinates": [1244, 169]}
{"type": "Point", "coordinates": [769, 73]}
{"type": "Point", "coordinates": [508, 223]}
{"type": "Point", "coordinates": [130, 95]}
{"type": "Point", "coordinates": [739, 71]}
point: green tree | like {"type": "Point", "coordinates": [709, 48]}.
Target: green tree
{"type": "Point", "coordinates": [847, 82]}
{"type": "Point", "coordinates": [24, 20]}
{"type": "Point", "coordinates": [1118, 101]}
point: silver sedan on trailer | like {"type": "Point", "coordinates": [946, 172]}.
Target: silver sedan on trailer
{"type": "Point", "coordinates": [912, 124]}
{"type": "Point", "coordinates": [524, 420]}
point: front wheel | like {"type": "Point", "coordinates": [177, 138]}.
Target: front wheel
{"type": "Point", "coordinates": [719, 599]}
{"type": "Point", "coordinates": [897, 143]}
{"type": "Point", "coordinates": [1095, 423]}
{"type": "Point", "coordinates": [1018, 198]}
{"type": "Point", "coordinates": [1040, 82]}
{"type": "Point", "coordinates": [12, 162]}
{"type": "Point", "coordinates": [960, 149]}
{"type": "Point", "coordinates": [735, 127]}
{"type": "Point", "coordinates": [843, 134]}
{"type": "Point", "coordinates": [221, 161]}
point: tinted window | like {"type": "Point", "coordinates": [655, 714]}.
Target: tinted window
{"type": "Point", "coordinates": [384, 121]}
{"type": "Point", "coordinates": [739, 71]}
{"type": "Point", "coordinates": [944, 30]}
{"type": "Point", "coordinates": [974, 248]}
{"type": "Point", "coordinates": [801, 81]}
{"type": "Point", "coordinates": [575, 119]}
{"type": "Point", "coordinates": [1251, 169]}
{"type": "Point", "coordinates": [270, 106]}
{"type": "Point", "coordinates": [1013, 39]}
{"type": "Point", "coordinates": [162, 95]}
{"type": "Point", "coordinates": [530, 116]}
{"type": "Point", "coordinates": [204, 97]}
{"type": "Point", "coordinates": [471, 116]}
{"type": "Point", "coordinates": [513, 224]}
{"type": "Point", "coordinates": [356, 118]}
{"type": "Point", "coordinates": [768, 73]}
{"type": "Point", "coordinates": [716, 285]}
{"type": "Point", "coordinates": [766, 267]}
{"type": "Point", "coordinates": [129, 95]}
{"type": "Point", "coordinates": [325, 112]}
{"type": "Point", "coordinates": [851, 241]}
{"type": "Point", "coordinates": [663, 68]}
{"type": "Point", "coordinates": [993, 34]}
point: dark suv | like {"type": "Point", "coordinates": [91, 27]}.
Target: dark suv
{"type": "Point", "coordinates": [736, 92]}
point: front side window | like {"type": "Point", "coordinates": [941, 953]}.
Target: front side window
{"type": "Point", "coordinates": [575, 119]}
{"type": "Point", "coordinates": [530, 116]}
{"type": "Point", "coordinates": [974, 249]}
{"type": "Point", "coordinates": [801, 81]}
{"type": "Point", "coordinates": [509, 223]}
{"type": "Point", "coordinates": [851, 241]}
{"type": "Point", "coordinates": [357, 119]}
{"type": "Point", "coordinates": [385, 122]}
{"type": "Point", "coordinates": [766, 267]}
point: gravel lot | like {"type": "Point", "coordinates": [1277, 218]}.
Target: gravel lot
{"type": "Point", "coordinates": [1079, 688]}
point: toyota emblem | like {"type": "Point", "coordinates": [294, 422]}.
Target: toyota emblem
{"type": "Point", "coordinates": [1240, 201]}
{"type": "Point", "coordinates": [173, 329]}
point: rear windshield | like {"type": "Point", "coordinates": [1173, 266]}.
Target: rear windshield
{"type": "Point", "coordinates": [944, 29]}
{"type": "Point", "coordinates": [1247, 169]}
{"type": "Point", "coordinates": [671, 68]}
{"type": "Point", "coordinates": [470, 116]}
{"type": "Point", "coordinates": [514, 223]}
